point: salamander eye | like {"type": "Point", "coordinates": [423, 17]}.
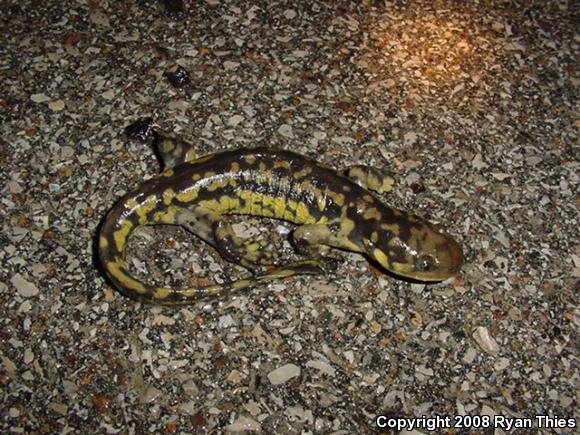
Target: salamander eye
{"type": "Point", "coordinates": [425, 263]}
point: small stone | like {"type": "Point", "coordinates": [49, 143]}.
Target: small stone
{"type": "Point", "coordinates": [252, 407]}
{"type": "Point", "coordinates": [290, 13]}
{"type": "Point", "coordinates": [235, 120]}
{"type": "Point", "coordinates": [478, 162]}
{"type": "Point", "coordinates": [59, 408]}
{"type": "Point", "coordinates": [286, 131]}
{"type": "Point", "coordinates": [226, 321]}
{"type": "Point", "coordinates": [149, 395]}
{"type": "Point", "coordinates": [244, 424]}
{"type": "Point", "coordinates": [235, 377]}
{"type": "Point", "coordinates": [160, 319]}
{"type": "Point", "coordinates": [482, 337]}
{"type": "Point", "coordinates": [56, 105]}
{"type": "Point", "coordinates": [14, 187]}
{"type": "Point", "coordinates": [323, 366]}
{"type": "Point", "coordinates": [501, 364]}
{"type": "Point", "coordinates": [189, 408]}
{"type": "Point", "coordinates": [229, 65]}
{"type": "Point", "coordinates": [424, 370]}
{"type": "Point", "coordinates": [28, 356]}
{"type": "Point", "coordinates": [99, 18]}
{"type": "Point", "coordinates": [190, 388]}
{"type": "Point", "coordinates": [283, 374]}
{"type": "Point", "coordinates": [25, 307]}
{"type": "Point", "coordinates": [500, 175]}
{"type": "Point", "coordinates": [410, 138]}
{"type": "Point", "coordinates": [470, 355]}
{"type": "Point", "coordinates": [25, 288]}
{"type": "Point", "coordinates": [108, 95]}
{"type": "Point", "coordinates": [39, 98]}
{"type": "Point", "coordinates": [487, 410]}
{"type": "Point", "coordinates": [70, 388]}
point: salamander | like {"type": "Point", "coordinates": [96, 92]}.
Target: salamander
{"type": "Point", "coordinates": [330, 209]}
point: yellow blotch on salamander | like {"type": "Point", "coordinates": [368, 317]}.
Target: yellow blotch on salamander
{"type": "Point", "coordinates": [117, 271]}
{"type": "Point", "coordinates": [148, 205]}
{"type": "Point", "coordinates": [301, 173]}
{"type": "Point", "coordinates": [168, 195]}
{"type": "Point", "coordinates": [120, 236]}
{"type": "Point", "coordinates": [165, 216]}
{"type": "Point", "coordinates": [218, 184]}
{"type": "Point", "coordinates": [188, 195]}
{"type": "Point", "coordinates": [372, 213]}
{"type": "Point", "coordinates": [161, 293]}
{"type": "Point", "coordinates": [281, 164]}
{"type": "Point", "coordinates": [338, 198]}
{"type": "Point", "coordinates": [103, 242]}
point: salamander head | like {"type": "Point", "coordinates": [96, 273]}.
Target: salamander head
{"type": "Point", "coordinates": [419, 252]}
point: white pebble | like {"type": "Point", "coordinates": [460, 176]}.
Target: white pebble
{"type": "Point", "coordinates": [235, 120]}
{"type": "Point", "coordinates": [244, 424]}
{"type": "Point", "coordinates": [149, 395]}
{"type": "Point", "coordinates": [323, 366]}
{"type": "Point", "coordinates": [28, 356]}
{"type": "Point", "coordinates": [228, 64]}
{"type": "Point", "coordinates": [286, 131]}
{"type": "Point", "coordinates": [39, 98]}
{"type": "Point", "coordinates": [283, 374]}
{"type": "Point", "coordinates": [56, 105]}
{"type": "Point", "coordinates": [25, 288]}
{"type": "Point", "coordinates": [482, 337]}
{"type": "Point", "coordinates": [188, 408]}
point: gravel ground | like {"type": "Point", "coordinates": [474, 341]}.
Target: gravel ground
{"type": "Point", "coordinates": [472, 105]}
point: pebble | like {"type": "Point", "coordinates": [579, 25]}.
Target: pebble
{"type": "Point", "coordinates": [56, 105]}
{"type": "Point", "coordinates": [283, 374]}
{"type": "Point", "coordinates": [28, 356]}
{"type": "Point", "coordinates": [24, 288]}
{"type": "Point", "coordinates": [189, 408]}
{"type": "Point", "coordinates": [244, 424]}
{"type": "Point", "coordinates": [321, 366]}
{"type": "Point", "coordinates": [39, 98]}
{"type": "Point", "coordinates": [482, 337]}
{"type": "Point", "coordinates": [235, 120]}
{"type": "Point", "coordinates": [286, 131]}
{"type": "Point", "coordinates": [149, 395]}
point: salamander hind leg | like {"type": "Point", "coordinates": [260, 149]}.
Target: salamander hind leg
{"type": "Point", "coordinates": [377, 180]}
{"type": "Point", "coordinates": [212, 227]}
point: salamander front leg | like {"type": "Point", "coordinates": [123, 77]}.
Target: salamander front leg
{"type": "Point", "coordinates": [317, 239]}
{"type": "Point", "coordinates": [377, 180]}
{"type": "Point", "coordinates": [312, 240]}
{"type": "Point", "coordinates": [249, 253]}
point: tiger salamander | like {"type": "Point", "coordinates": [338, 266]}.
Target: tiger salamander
{"type": "Point", "coordinates": [331, 210]}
